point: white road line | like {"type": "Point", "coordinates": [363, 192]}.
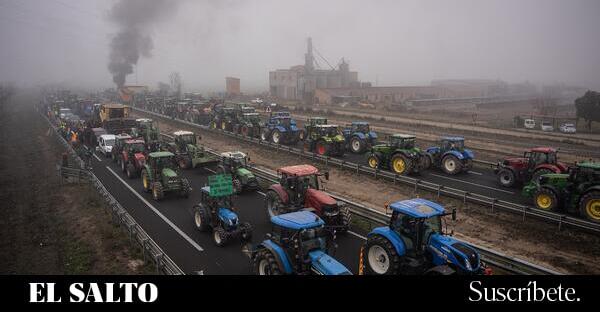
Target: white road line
{"type": "Point", "coordinates": [261, 193]}
{"type": "Point", "coordinates": [357, 235]}
{"type": "Point", "coordinates": [478, 185]}
{"type": "Point", "coordinates": [473, 172]}
{"type": "Point", "coordinates": [97, 158]}
{"type": "Point", "coordinates": [210, 170]}
{"type": "Point", "coordinates": [171, 224]}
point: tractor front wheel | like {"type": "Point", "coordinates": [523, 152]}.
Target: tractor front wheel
{"type": "Point", "coordinates": [220, 236]}
{"type": "Point", "coordinates": [373, 161]}
{"type": "Point", "coordinates": [266, 264]}
{"type": "Point", "coordinates": [157, 191]}
{"type": "Point", "coordinates": [246, 231]}
{"type": "Point", "coordinates": [344, 220]}
{"type": "Point", "coordinates": [589, 206]}
{"type": "Point", "coordinates": [276, 136]}
{"type": "Point", "coordinates": [379, 257]}
{"type": "Point", "coordinates": [545, 199]}
{"type": "Point", "coordinates": [357, 145]}
{"type": "Point", "coordinates": [130, 171]}
{"type": "Point", "coordinates": [451, 165]}
{"type": "Point", "coordinates": [146, 181]}
{"type": "Point", "coordinates": [506, 177]}
{"type": "Point", "coordinates": [321, 148]}
{"type": "Point", "coordinates": [201, 218]}
{"type": "Point", "coordinates": [273, 203]}
{"type": "Point", "coordinates": [185, 188]}
{"type": "Point", "coordinates": [401, 165]}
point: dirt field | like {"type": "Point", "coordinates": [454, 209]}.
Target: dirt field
{"type": "Point", "coordinates": [535, 241]}
{"type": "Point", "coordinates": [46, 228]}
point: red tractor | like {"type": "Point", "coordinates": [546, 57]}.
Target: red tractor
{"type": "Point", "coordinates": [534, 163]}
{"type": "Point", "coordinates": [133, 157]}
{"type": "Point", "coordinates": [298, 189]}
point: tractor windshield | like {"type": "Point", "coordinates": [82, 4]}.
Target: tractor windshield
{"type": "Point", "coordinates": [458, 145]}
{"type": "Point", "coordinates": [137, 148]}
{"type": "Point", "coordinates": [364, 128]}
{"type": "Point", "coordinates": [187, 139]}
{"type": "Point", "coordinates": [329, 131]}
{"type": "Point", "coordinates": [284, 122]}
{"type": "Point", "coordinates": [408, 143]}
{"type": "Point", "coordinates": [165, 162]}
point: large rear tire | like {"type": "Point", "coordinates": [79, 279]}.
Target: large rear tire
{"type": "Point", "coordinates": [344, 219]}
{"type": "Point", "coordinates": [266, 264]}
{"type": "Point", "coordinates": [273, 204]}
{"type": "Point", "coordinates": [451, 165]}
{"type": "Point", "coordinates": [220, 236]}
{"type": "Point", "coordinates": [157, 191]}
{"type": "Point", "coordinates": [276, 136]}
{"type": "Point", "coordinates": [321, 148]}
{"type": "Point", "coordinates": [506, 177]}
{"type": "Point", "coordinates": [146, 184]}
{"type": "Point", "coordinates": [545, 199]}
{"type": "Point", "coordinates": [379, 257]}
{"type": "Point", "coordinates": [401, 165]}
{"type": "Point", "coordinates": [589, 206]}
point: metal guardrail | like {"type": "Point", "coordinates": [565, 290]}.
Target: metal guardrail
{"type": "Point", "coordinates": [149, 247]}
{"type": "Point", "coordinates": [440, 190]}
{"type": "Point", "coordinates": [499, 260]}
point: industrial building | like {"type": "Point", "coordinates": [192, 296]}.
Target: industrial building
{"type": "Point", "coordinates": [232, 86]}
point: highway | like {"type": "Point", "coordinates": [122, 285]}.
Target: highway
{"type": "Point", "coordinates": [170, 223]}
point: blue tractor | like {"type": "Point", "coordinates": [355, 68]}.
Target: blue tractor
{"type": "Point", "coordinates": [451, 156]}
{"type": "Point", "coordinates": [280, 128]}
{"type": "Point", "coordinates": [413, 243]}
{"type": "Point", "coordinates": [298, 244]}
{"type": "Point", "coordinates": [359, 137]}
{"type": "Point", "coordinates": [217, 214]}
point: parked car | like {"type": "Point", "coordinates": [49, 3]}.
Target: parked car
{"type": "Point", "coordinates": [568, 128]}
{"type": "Point", "coordinates": [547, 126]}
{"type": "Point", "coordinates": [529, 124]}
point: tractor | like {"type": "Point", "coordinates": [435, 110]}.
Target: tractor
{"type": "Point", "coordinates": [534, 163]}
{"type": "Point", "coordinates": [414, 243]}
{"type": "Point", "coordinates": [133, 157]}
{"type": "Point", "coordinates": [324, 139]}
{"type": "Point", "coordinates": [187, 153]}
{"type": "Point", "coordinates": [299, 188]}
{"type": "Point", "coordinates": [161, 175]}
{"type": "Point", "coordinates": [217, 214]}
{"type": "Point", "coordinates": [247, 122]}
{"type": "Point", "coordinates": [280, 128]}
{"type": "Point", "coordinates": [451, 156]}
{"type": "Point", "coordinates": [147, 129]}
{"type": "Point", "coordinates": [120, 140]}
{"type": "Point", "coordinates": [576, 192]}
{"type": "Point", "coordinates": [399, 154]}
{"type": "Point", "coordinates": [223, 118]}
{"type": "Point", "coordinates": [298, 244]}
{"type": "Point", "coordinates": [359, 137]}
{"type": "Point", "coordinates": [235, 164]}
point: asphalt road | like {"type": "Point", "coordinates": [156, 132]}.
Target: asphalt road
{"type": "Point", "coordinates": [170, 223]}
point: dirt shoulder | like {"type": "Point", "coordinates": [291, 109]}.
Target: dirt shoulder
{"type": "Point", "coordinates": [46, 228]}
{"type": "Point", "coordinates": [538, 242]}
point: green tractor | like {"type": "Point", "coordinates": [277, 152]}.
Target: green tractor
{"type": "Point", "coordinates": [247, 122]}
{"type": "Point", "coordinates": [188, 154]}
{"type": "Point", "coordinates": [576, 192]}
{"type": "Point", "coordinates": [235, 164]}
{"type": "Point", "coordinates": [161, 175]}
{"type": "Point", "coordinates": [148, 130]}
{"type": "Point", "coordinates": [223, 118]}
{"type": "Point", "coordinates": [400, 154]}
{"type": "Point", "coordinates": [322, 138]}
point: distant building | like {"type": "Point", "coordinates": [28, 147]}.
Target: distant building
{"type": "Point", "coordinates": [380, 94]}
{"type": "Point", "coordinates": [300, 82]}
{"type": "Point", "coordinates": [232, 86]}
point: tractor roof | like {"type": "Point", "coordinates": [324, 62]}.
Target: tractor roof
{"type": "Point", "coordinates": [418, 208]}
{"type": "Point", "coordinates": [143, 120]}
{"type": "Point", "coordinates": [452, 138]}
{"type": "Point", "coordinates": [298, 220]}
{"type": "Point", "coordinates": [183, 132]}
{"type": "Point", "coordinates": [160, 154]}
{"type": "Point", "coordinates": [589, 165]}
{"type": "Point", "coordinates": [326, 126]}
{"type": "Point", "coordinates": [298, 170]}
{"type": "Point", "coordinates": [108, 136]}
{"type": "Point", "coordinates": [543, 150]}
{"type": "Point", "coordinates": [403, 136]}
{"type": "Point", "coordinates": [233, 154]}
{"type": "Point", "coordinates": [134, 141]}
{"type": "Point", "coordinates": [316, 118]}
{"type": "Point", "coordinates": [123, 136]}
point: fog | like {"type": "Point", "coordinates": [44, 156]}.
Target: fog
{"type": "Point", "coordinates": [388, 42]}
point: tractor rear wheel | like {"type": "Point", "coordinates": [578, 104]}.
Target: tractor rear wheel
{"type": "Point", "coordinates": [379, 257]}
{"type": "Point", "coordinates": [273, 203]}
{"type": "Point", "coordinates": [357, 145]}
{"type": "Point", "coordinates": [506, 177]}
{"type": "Point", "coordinates": [265, 263]}
{"type": "Point", "coordinates": [427, 161]}
{"type": "Point", "coordinates": [373, 161]}
{"type": "Point", "coordinates": [589, 206]}
{"type": "Point", "coordinates": [130, 171]}
{"type": "Point", "coordinates": [201, 218]}
{"type": "Point", "coordinates": [321, 148]}
{"type": "Point", "coordinates": [538, 173]}
{"type": "Point", "coordinates": [157, 191]}
{"type": "Point", "coordinates": [264, 135]}
{"type": "Point", "coordinates": [246, 231]}
{"type": "Point", "coordinates": [123, 165]}
{"type": "Point", "coordinates": [276, 136]}
{"type": "Point", "coordinates": [401, 164]}
{"type": "Point", "coordinates": [451, 165]}
{"type": "Point", "coordinates": [146, 181]}
{"type": "Point", "coordinates": [344, 220]}
{"type": "Point", "coordinates": [545, 199]}
{"type": "Point", "coordinates": [220, 236]}
{"type": "Point", "coordinates": [185, 188]}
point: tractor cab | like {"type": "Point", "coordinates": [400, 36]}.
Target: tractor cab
{"type": "Point", "coordinates": [183, 138]}
{"type": "Point", "coordinates": [162, 160]}
{"type": "Point", "coordinates": [402, 141]}
{"type": "Point", "coordinates": [452, 144]}
{"type": "Point", "coordinates": [327, 130]}
{"type": "Point", "coordinates": [134, 146]}
{"type": "Point", "coordinates": [215, 202]}
{"type": "Point", "coordinates": [234, 160]}
{"type": "Point", "coordinates": [314, 121]}
{"type": "Point", "coordinates": [301, 228]}
{"type": "Point", "coordinates": [540, 155]}
{"type": "Point", "coordinates": [360, 126]}
{"type": "Point", "coordinates": [296, 180]}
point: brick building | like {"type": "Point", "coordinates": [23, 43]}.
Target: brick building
{"type": "Point", "coordinates": [232, 86]}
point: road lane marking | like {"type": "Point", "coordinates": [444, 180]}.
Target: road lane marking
{"type": "Point", "coordinates": [473, 172]}
{"type": "Point", "coordinates": [97, 158]}
{"type": "Point", "coordinates": [261, 193]}
{"type": "Point", "coordinates": [475, 184]}
{"type": "Point", "coordinates": [210, 170]}
{"type": "Point", "coordinates": [171, 224]}
{"type": "Point", "coordinates": [357, 235]}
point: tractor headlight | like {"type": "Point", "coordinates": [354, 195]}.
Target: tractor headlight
{"type": "Point", "coordinates": [468, 264]}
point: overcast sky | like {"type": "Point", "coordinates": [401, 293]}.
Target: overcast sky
{"type": "Point", "coordinates": [390, 42]}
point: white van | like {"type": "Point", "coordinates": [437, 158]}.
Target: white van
{"type": "Point", "coordinates": [547, 126]}
{"type": "Point", "coordinates": [106, 143]}
{"type": "Point", "coordinates": [529, 124]}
